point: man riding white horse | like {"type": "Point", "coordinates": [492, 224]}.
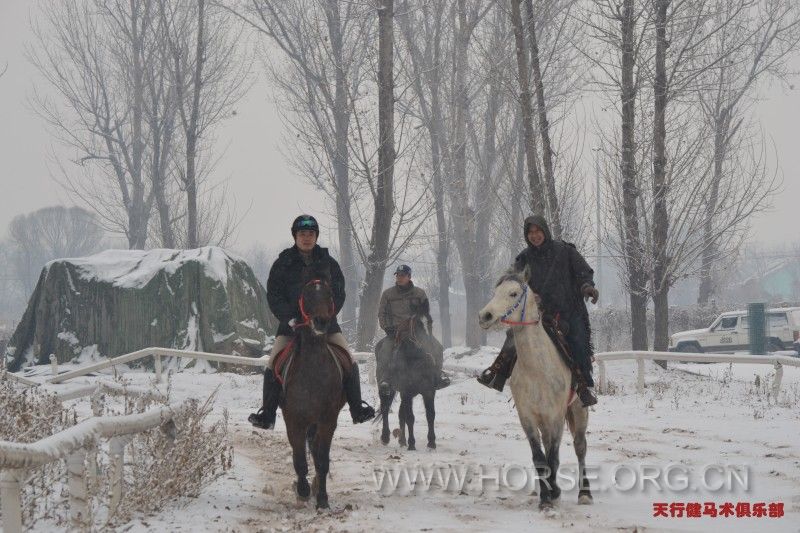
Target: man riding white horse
{"type": "Point", "coordinates": [562, 278]}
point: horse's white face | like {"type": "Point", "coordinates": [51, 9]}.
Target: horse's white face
{"type": "Point", "coordinates": [505, 296]}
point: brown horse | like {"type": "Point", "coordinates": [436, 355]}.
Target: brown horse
{"type": "Point", "coordinates": [313, 391]}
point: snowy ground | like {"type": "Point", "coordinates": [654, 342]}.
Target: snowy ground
{"type": "Point", "coordinates": [720, 418]}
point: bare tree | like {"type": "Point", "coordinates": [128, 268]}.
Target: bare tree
{"type": "Point", "coordinates": [758, 43]}
{"type": "Point", "coordinates": [327, 44]}
{"type": "Point", "coordinates": [93, 55]}
{"type": "Point", "coordinates": [47, 234]}
{"type": "Point", "coordinates": [208, 81]}
{"type": "Point", "coordinates": [425, 24]}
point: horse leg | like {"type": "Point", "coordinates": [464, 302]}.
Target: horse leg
{"type": "Point", "coordinates": [386, 404]}
{"type": "Point", "coordinates": [297, 438]}
{"type": "Point", "coordinates": [551, 438]}
{"type": "Point", "coordinates": [540, 463]}
{"type": "Point", "coordinates": [321, 453]}
{"type": "Point", "coordinates": [408, 401]}
{"type": "Point", "coordinates": [578, 421]}
{"type": "Point", "coordinates": [430, 415]}
{"type": "Point", "coordinates": [401, 414]}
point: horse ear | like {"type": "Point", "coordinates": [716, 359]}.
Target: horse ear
{"type": "Point", "coordinates": [526, 273]}
{"type": "Point", "coordinates": [537, 299]}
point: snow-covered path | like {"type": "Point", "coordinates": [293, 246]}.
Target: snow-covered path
{"type": "Point", "coordinates": [682, 418]}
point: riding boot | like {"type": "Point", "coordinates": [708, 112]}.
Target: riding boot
{"type": "Point", "coordinates": [496, 375]}
{"type": "Point", "coordinates": [265, 417]}
{"type": "Point", "coordinates": [360, 410]}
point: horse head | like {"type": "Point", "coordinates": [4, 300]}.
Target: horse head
{"type": "Point", "coordinates": [509, 302]}
{"type": "Point", "coordinates": [317, 307]}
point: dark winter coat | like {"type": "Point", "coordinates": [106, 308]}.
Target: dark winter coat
{"type": "Point", "coordinates": [558, 272]}
{"type": "Point", "coordinates": [287, 277]}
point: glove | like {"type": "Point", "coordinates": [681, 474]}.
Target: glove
{"type": "Point", "coordinates": [590, 292]}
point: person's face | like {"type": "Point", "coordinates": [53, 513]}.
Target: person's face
{"type": "Point", "coordinates": [536, 235]}
{"type": "Point", "coordinates": [402, 279]}
{"type": "Point", "coordinates": [305, 239]}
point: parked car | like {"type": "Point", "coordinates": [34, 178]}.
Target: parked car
{"type": "Point", "coordinates": [730, 333]}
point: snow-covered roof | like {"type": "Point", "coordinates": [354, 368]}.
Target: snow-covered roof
{"type": "Point", "coordinates": [135, 268]}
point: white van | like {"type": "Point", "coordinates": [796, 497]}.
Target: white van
{"type": "Point", "coordinates": [729, 333]}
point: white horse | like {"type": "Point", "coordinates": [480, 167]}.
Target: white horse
{"type": "Point", "coordinates": [540, 385]}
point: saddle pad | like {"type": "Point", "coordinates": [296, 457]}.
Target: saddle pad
{"type": "Point", "coordinates": [284, 361]}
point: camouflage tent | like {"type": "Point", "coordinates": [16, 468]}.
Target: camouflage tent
{"type": "Point", "coordinates": [120, 301]}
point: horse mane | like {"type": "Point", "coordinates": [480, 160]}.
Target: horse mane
{"type": "Point", "coordinates": [511, 275]}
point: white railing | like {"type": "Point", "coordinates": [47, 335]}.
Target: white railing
{"type": "Point", "coordinates": [776, 360]}
{"type": "Point", "coordinates": [157, 354]}
{"type": "Point", "coordinates": [74, 445]}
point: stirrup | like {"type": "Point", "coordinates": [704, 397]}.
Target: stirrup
{"type": "Point", "coordinates": [261, 419]}
{"type": "Point", "coordinates": [363, 413]}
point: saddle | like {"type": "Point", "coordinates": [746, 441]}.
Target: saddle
{"type": "Point", "coordinates": [283, 361]}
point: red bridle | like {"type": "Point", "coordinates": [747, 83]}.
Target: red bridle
{"type": "Point", "coordinates": [306, 318]}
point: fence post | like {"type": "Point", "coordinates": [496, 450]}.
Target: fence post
{"type": "Point", "coordinates": [117, 453]}
{"type": "Point", "coordinates": [54, 364]}
{"type": "Point", "coordinates": [80, 517]}
{"type": "Point", "coordinates": [776, 385]}
{"type": "Point", "coordinates": [640, 375]}
{"type": "Point", "coordinates": [11, 499]}
{"type": "Point", "coordinates": [601, 377]}
{"type": "Point", "coordinates": [159, 367]}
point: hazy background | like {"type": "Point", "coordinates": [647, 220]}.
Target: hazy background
{"type": "Point", "coordinates": [264, 188]}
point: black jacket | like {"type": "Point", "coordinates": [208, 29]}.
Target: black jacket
{"type": "Point", "coordinates": [558, 273]}
{"type": "Point", "coordinates": [288, 276]}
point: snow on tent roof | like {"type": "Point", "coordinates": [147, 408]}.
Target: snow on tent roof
{"type": "Point", "coordinates": [135, 268]}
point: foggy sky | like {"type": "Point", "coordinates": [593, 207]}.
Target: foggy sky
{"type": "Point", "coordinates": [259, 177]}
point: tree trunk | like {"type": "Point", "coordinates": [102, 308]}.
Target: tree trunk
{"type": "Point", "coordinates": [341, 168]}
{"type": "Point", "coordinates": [661, 281]}
{"type": "Point", "coordinates": [721, 126]}
{"type": "Point", "coordinates": [544, 127]}
{"type": "Point", "coordinates": [192, 134]}
{"type": "Point", "coordinates": [526, 105]}
{"type": "Point", "coordinates": [636, 279]}
{"type": "Point", "coordinates": [384, 189]}
{"type": "Point", "coordinates": [463, 214]}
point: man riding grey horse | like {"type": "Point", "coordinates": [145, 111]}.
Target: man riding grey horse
{"type": "Point", "coordinates": [563, 279]}
{"type": "Point", "coordinates": [397, 306]}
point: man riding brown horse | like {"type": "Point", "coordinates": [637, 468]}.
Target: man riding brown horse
{"type": "Point", "coordinates": [294, 268]}
{"type": "Point", "coordinates": [562, 278]}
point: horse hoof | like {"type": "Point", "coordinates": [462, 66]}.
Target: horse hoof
{"type": "Point", "coordinates": [323, 504]}
{"type": "Point", "coordinates": [432, 445]}
{"type": "Point", "coordinates": [302, 490]}
{"type": "Point", "coordinates": [385, 439]}
{"type": "Point", "coordinates": [402, 442]}
{"type": "Point", "coordinates": [411, 447]}
{"type": "Point", "coordinates": [585, 499]}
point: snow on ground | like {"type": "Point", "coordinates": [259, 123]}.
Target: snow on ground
{"type": "Point", "coordinates": [682, 418]}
